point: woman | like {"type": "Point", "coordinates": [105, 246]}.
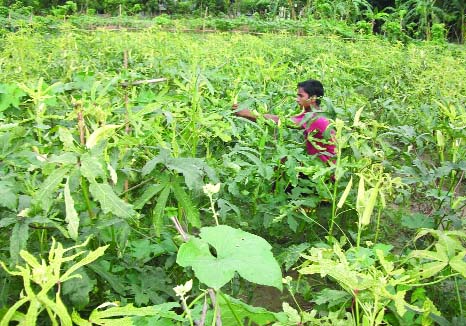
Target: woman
{"type": "Point", "coordinates": [319, 137]}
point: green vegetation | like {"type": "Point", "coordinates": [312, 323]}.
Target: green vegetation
{"type": "Point", "coordinates": [131, 194]}
{"type": "Point", "coordinates": [429, 20]}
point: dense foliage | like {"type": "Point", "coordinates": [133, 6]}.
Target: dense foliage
{"type": "Point", "coordinates": [418, 19]}
{"type": "Point", "coordinates": [105, 136]}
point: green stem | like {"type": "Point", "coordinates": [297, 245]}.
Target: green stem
{"type": "Point", "coordinates": [357, 310]}
{"type": "Point", "coordinates": [335, 188]}
{"type": "Point", "coordinates": [458, 296]}
{"type": "Point", "coordinates": [358, 241]}
{"type": "Point", "coordinates": [212, 207]}
{"type": "Point", "coordinates": [436, 281]}
{"type": "Point", "coordinates": [294, 299]}
{"type": "Point", "coordinates": [187, 310]}
{"type": "Point", "coordinates": [379, 214]}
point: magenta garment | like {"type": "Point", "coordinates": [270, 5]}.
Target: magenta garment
{"type": "Point", "coordinates": [316, 125]}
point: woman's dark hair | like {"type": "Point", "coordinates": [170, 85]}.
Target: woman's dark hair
{"type": "Point", "coordinates": [313, 88]}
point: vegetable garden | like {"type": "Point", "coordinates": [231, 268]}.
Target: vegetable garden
{"type": "Point", "coordinates": [132, 195]}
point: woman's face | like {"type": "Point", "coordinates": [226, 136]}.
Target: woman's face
{"type": "Point", "coordinates": [303, 100]}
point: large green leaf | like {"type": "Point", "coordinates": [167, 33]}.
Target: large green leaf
{"type": "Point", "coordinates": [237, 251]}
{"type": "Point", "coordinates": [44, 196]}
{"type": "Point", "coordinates": [109, 201]}
{"type": "Point", "coordinates": [192, 213]}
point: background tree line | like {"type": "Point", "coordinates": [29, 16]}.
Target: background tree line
{"type": "Point", "coordinates": [419, 19]}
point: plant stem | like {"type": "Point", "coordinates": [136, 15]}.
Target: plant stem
{"type": "Point", "coordinates": [335, 188]}
{"type": "Point", "coordinates": [187, 310]}
{"type": "Point", "coordinates": [436, 281]}
{"type": "Point", "coordinates": [379, 214]}
{"type": "Point", "coordinates": [294, 299]}
{"type": "Point", "coordinates": [357, 309]}
{"type": "Point", "coordinates": [458, 296]}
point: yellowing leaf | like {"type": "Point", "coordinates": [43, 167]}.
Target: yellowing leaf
{"type": "Point", "coordinates": [458, 263]}
{"type": "Point", "coordinates": [99, 134]}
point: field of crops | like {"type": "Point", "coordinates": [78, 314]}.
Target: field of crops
{"type": "Point", "coordinates": [122, 161]}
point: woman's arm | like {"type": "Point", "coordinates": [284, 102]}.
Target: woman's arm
{"type": "Point", "coordinates": [246, 113]}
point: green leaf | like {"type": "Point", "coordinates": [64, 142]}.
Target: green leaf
{"type": "Point", "coordinates": [260, 316]}
{"type": "Point", "coordinates": [71, 215]}
{"type": "Point", "coordinates": [77, 289]}
{"type": "Point", "coordinates": [157, 214]}
{"type": "Point", "coordinates": [430, 269]}
{"type": "Point", "coordinates": [78, 320]}
{"type": "Point", "coordinates": [400, 303]}
{"type": "Point", "coordinates": [387, 265]}
{"type": "Point", "coordinates": [332, 297]}
{"type": "Point", "coordinates": [18, 239]}
{"type": "Point", "coordinates": [89, 258]}
{"type": "Point", "coordinates": [44, 196]}
{"type": "Point", "coordinates": [237, 251]}
{"type": "Point", "coordinates": [291, 255]}
{"type": "Point", "coordinates": [8, 196]}
{"type": "Point", "coordinates": [431, 255]}
{"type": "Point", "coordinates": [7, 221]}
{"type": "Point", "coordinates": [293, 315]}
{"type": "Point", "coordinates": [65, 158]}
{"type": "Point", "coordinates": [148, 193]}
{"type": "Point", "coordinates": [105, 317]}
{"type": "Point", "coordinates": [115, 282]}
{"type": "Point", "coordinates": [91, 167]}
{"type": "Point", "coordinates": [66, 138]}
{"type": "Point", "coordinates": [163, 157]}
{"type": "Point", "coordinates": [417, 220]}
{"type": "Point", "coordinates": [192, 213]}
{"type": "Point", "coordinates": [100, 134]}
{"type": "Point", "coordinates": [10, 95]}
{"type": "Point", "coordinates": [193, 170]}
{"type": "Point", "coordinates": [109, 201]}
{"type": "Point", "coordinates": [458, 263]}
